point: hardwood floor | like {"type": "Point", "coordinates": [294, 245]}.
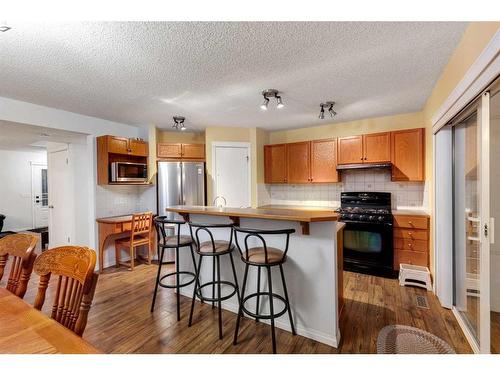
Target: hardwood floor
{"type": "Point", "coordinates": [495, 332]}
{"type": "Point", "coordinates": [120, 321]}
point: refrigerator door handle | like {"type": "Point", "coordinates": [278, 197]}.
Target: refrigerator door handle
{"type": "Point", "coordinates": [183, 183]}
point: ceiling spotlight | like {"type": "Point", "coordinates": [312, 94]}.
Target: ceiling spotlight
{"type": "Point", "coordinates": [179, 122]}
{"type": "Point", "coordinates": [322, 112]}
{"type": "Point", "coordinates": [263, 106]}
{"type": "Point", "coordinates": [271, 93]}
{"type": "Point", "coordinates": [330, 108]}
{"type": "Point", "coordinates": [331, 111]}
{"type": "Point", "coordinates": [280, 102]}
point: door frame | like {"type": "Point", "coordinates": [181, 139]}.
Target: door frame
{"type": "Point", "coordinates": [36, 164]}
{"type": "Point", "coordinates": [246, 145]}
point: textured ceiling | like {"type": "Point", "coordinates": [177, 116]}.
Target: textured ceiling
{"type": "Point", "coordinates": [213, 73]}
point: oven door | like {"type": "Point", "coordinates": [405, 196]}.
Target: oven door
{"type": "Point", "coordinates": [368, 248]}
{"type": "Point", "coordinates": [129, 172]}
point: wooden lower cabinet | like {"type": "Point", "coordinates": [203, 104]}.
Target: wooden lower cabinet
{"type": "Point", "coordinates": [411, 240]}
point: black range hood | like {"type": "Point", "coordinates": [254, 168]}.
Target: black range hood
{"type": "Point", "coordinates": [345, 167]}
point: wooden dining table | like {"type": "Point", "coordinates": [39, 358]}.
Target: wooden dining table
{"type": "Point", "coordinates": [26, 330]}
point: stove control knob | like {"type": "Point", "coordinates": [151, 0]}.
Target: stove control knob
{"type": "Point", "coordinates": [371, 218]}
{"type": "Point", "coordinates": [351, 216]}
{"type": "Point", "coordinates": [362, 217]}
{"type": "Point", "coordinates": [380, 218]}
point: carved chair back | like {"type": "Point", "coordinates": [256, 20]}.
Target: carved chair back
{"type": "Point", "coordinates": [21, 247]}
{"type": "Point", "coordinates": [141, 225]}
{"type": "Point", "coordinates": [76, 283]}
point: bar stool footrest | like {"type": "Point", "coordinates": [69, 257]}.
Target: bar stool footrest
{"type": "Point", "coordinates": [259, 316]}
{"type": "Point", "coordinates": [215, 299]}
{"type": "Point", "coordinates": [174, 286]}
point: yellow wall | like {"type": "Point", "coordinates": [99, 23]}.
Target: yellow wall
{"type": "Point", "coordinates": [181, 137]}
{"type": "Point", "coordinates": [475, 39]}
{"type": "Point", "coordinates": [342, 129]}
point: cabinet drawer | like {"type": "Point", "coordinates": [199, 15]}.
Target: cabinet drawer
{"type": "Point", "coordinates": [417, 222]}
{"type": "Point", "coordinates": [409, 257]}
{"type": "Point", "coordinates": [412, 234]}
{"type": "Point", "coordinates": [409, 244]}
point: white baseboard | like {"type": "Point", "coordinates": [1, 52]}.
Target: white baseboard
{"type": "Point", "coordinates": [301, 330]}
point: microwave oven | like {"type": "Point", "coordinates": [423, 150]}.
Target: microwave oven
{"type": "Point", "coordinates": [129, 172]}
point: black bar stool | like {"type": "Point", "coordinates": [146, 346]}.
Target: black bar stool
{"type": "Point", "coordinates": [171, 242]}
{"type": "Point", "coordinates": [215, 249]}
{"type": "Point", "coordinates": [267, 257]}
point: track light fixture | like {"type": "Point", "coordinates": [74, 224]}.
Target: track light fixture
{"type": "Point", "coordinates": [322, 111]}
{"type": "Point", "coordinates": [179, 123]}
{"type": "Point", "coordinates": [331, 111]}
{"type": "Point", "coordinates": [271, 93]}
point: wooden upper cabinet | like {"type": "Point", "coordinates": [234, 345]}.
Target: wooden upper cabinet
{"type": "Point", "coordinates": [408, 155]}
{"type": "Point", "coordinates": [138, 147]}
{"type": "Point", "coordinates": [350, 150]}
{"type": "Point", "coordinates": [181, 150]}
{"type": "Point", "coordinates": [275, 164]}
{"type": "Point", "coordinates": [126, 146]}
{"type": "Point", "coordinates": [323, 161]}
{"type": "Point", "coordinates": [169, 150]}
{"type": "Point", "coordinates": [298, 158]}
{"type": "Point", "coordinates": [117, 145]}
{"type": "Point", "coordinates": [377, 148]}
{"type": "Point", "coordinates": [193, 151]}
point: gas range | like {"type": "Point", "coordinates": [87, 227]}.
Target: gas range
{"type": "Point", "coordinates": [370, 207]}
{"type": "Point", "coordinates": [368, 242]}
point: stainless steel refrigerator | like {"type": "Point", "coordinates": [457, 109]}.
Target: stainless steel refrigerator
{"type": "Point", "coordinates": [180, 183]}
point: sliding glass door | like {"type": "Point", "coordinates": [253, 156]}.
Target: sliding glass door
{"type": "Point", "coordinates": [471, 222]}
{"type": "Point", "coordinates": [466, 221]}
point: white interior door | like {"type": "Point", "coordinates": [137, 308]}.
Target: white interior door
{"type": "Point", "coordinates": [39, 195]}
{"type": "Point", "coordinates": [232, 174]}
{"type": "Point", "coordinates": [60, 198]}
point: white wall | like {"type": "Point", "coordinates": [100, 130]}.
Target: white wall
{"type": "Point", "coordinates": [15, 187]}
{"type": "Point", "coordinates": [84, 158]}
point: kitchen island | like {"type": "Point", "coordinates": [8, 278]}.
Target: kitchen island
{"type": "Point", "coordinates": [311, 268]}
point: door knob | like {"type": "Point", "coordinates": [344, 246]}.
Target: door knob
{"type": "Point", "coordinates": [51, 206]}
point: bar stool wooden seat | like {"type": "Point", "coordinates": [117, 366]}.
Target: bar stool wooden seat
{"type": "Point", "coordinates": [267, 257]}
{"type": "Point", "coordinates": [215, 249]}
{"type": "Point", "coordinates": [21, 247]}
{"type": "Point", "coordinates": [176, 242]}
{"type": "Point", "coordinates": [140, 235]}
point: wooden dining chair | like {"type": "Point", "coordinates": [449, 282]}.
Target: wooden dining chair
{"type": "Point", "coordinates": [140, 235]}
{"type": "Point", "coordinates": [22, 249]}
{"type": "Point", "coordinates": [74, 266]}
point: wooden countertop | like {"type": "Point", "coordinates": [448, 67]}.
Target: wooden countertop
{"type": "Point", "coordinates": [296, 207]}
{"type": "Point", "coordinates": [307, 216]}
{"type": "Point", "coordinates": [411, 212]}
{"type": "Point", "coordinates": [115, 219]}
{"type": "Point", "coordinates": [24, 329]}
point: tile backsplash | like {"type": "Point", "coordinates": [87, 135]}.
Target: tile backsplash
{"type": "Point", "coordinates": [404, 194]}
{"type": "Point", "coordinates": [114, 200]}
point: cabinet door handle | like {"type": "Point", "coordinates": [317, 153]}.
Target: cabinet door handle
{"type": "Point", "coordinates": [361, 158]}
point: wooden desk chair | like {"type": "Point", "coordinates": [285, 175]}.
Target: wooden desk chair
{"type": "Point", "coordinates": [22, 248]}
{"type": "Point", "coordinates": [140, 235]}
{"type": "Point", "coordinates": [76, 284]}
